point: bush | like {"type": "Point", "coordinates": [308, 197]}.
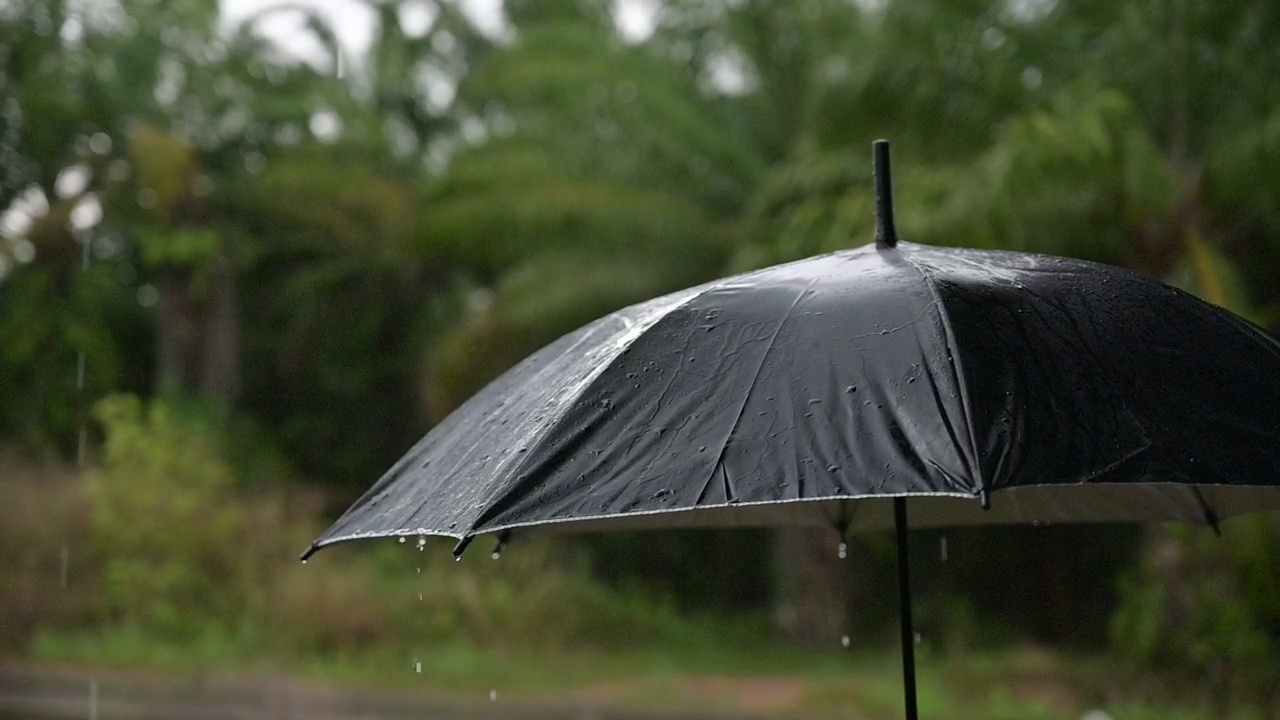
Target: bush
{"type": "Point", "coordinates": [174, 550]}
{"type": "Point", "coordinates": [1208, 607]}
{"type": "Point", "coordinates": [164, 520]}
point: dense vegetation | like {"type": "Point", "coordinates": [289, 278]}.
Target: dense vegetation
{"type": "Point", "coordinates": [256, 280]}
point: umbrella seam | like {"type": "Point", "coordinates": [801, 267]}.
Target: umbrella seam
{"type": "Point", "coordinates": [958, 367]}
{"type": "Point", "coordinates": [520, 468]}
{"type": "Point", "coordinates": [751, 387]}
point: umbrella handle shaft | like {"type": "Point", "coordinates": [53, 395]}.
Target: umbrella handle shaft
{"type": "Point", "coordinates": [886, 231]}
{"type": "Point", "coordinates": [904, 610]}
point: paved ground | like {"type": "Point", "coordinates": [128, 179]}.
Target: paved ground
{"type": "Point", "coordinates": [37, 693]}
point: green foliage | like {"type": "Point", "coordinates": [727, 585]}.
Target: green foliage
{"type": "Point", "coordinates": [1206, 607]}
{"type": "Point", "coordinates": [45, 324]}
{"type": "Point", "coordinates": [169, 571]}
{"type": "Point", "coordinates": [172, 558]}
{"type": "Point", "coordinates": [183, 247]}
{"type": "Point", "coordinates": [1083, 174]}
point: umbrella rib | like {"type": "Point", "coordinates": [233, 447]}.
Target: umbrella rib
{"type": "Point", "coordinates": [751, 386]}
{"type": "Point", "coordinates": [494, 505]}
{"type": "Point", "coordinates": [975, 470]}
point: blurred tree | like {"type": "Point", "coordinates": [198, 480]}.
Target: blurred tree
{"type": "Point", "coordinates": [319, 245]}
{"type": "Point", "coordinates": [208, 169]}
{"type": "Point", "coordinates": [598, 177]}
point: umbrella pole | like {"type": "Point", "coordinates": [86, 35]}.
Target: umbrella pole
{"type": "Point", "coordinates": [904, 609]}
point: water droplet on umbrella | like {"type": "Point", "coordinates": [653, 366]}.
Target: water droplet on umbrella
{"type": "Point", "coordinates": [832, 468]}
{"type": "Point", "coordinates": [815, 401]}
{"type": "Point", "coordinates": [851, 389]}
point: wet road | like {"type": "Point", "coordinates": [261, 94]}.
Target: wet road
{"type": "Point", "coordinates": [28, 693]}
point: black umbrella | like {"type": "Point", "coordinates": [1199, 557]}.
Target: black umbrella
{"type": "Point", "coordinates": [983, 386]}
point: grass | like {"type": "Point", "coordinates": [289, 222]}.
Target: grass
{"type": "Point", "coordinates": [532, 626]}
{"type": "Point", "coordinates": [698, 673]}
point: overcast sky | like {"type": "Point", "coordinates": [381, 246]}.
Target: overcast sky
{"type": "Point", "coordinates": [354, 22]}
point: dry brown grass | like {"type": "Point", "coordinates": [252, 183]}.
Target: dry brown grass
{"type": "Point", "coordinates": [46, 563]}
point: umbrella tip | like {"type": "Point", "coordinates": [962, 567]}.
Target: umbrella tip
{"type": "Point", "coordinates": [310, 551]}
{"type": "Point", "coordinates": [886, 232]}
{"type": "Point", "coordinates": [461, 547]}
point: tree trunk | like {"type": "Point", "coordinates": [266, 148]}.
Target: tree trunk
{"type": "Point", "coordinates": [812, 586]}
{"type": "Point", "coordinates": [177, 330]}
{"type": "Point", "coordinates": [220, 369]}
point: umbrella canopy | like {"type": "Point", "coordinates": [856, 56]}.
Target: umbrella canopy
{"type": "Point", "coordinates": [1046, 389]}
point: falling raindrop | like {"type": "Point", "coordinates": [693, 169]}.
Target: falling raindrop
{"type": "Point", "coordinates": [402, 539]}
{"type": "Point", "coordinates": [493, 696]}
{"type": "Point", "coordinates": [844, 641]}
{"type": "Point", "coordinates": [842, 551]}
{"type": "Point", "coordinates": [417, 666]}
{"type": "Point", "coordinates": [942, 543]}
{"type": "Point", "coordinates": [422, 543]}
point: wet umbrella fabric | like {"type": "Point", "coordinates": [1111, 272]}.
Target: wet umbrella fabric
{"type": "Point", "coordinates": [985, 386]}
{"type": "Point", "coordinates": [1058, 390]}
